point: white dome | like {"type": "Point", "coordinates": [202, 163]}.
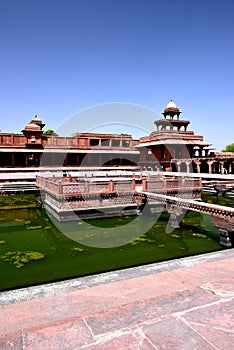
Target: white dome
{"type": "Point", "coordinates": [171, 104]}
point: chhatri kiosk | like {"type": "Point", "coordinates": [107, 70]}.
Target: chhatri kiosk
{"type": "Point", "coordinates": [172, 147]}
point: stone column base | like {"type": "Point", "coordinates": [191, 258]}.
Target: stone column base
{"type": "Point", "coordinates": [224, 238]}
{"type": "Point", "coordinates": [174, 221]}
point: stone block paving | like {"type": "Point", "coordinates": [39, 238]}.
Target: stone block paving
{"type": "Point", "coordinates": [184, 308]}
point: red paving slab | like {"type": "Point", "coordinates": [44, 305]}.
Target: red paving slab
{"type": "Point", "coordinates": [66, 334]}
{"type": "Point", "coordinates": [127, 340]}
{"type": "Point", "coordinates": [214, 323]}
{"type": "Point", "coordinates": [132, 314]}
{"type": "Point", "coordinates": [172, 334]}
{"type": "Point", "coordinates": [184, 304]}
{"type": "Point", "coordinates": [11, 341]}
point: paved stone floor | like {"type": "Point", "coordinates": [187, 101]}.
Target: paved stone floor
{"type": "Point", "coordinates": [181, 304]}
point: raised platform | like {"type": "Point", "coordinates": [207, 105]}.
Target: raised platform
{"type": "Point", "coordinates": [91, 212]}
{"type": "Point", "coordinates": [181, 305]}
{"type": "Point", "coordinates": [70, 197]}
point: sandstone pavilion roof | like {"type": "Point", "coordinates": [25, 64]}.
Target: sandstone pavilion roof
{"type": "Point", "coordinates": [165, 133]}
{"type": "Point", "coordinates": [171, 104]}
{"type": "Point", "coordinates": [171, 109]}
{"type": "Point", "coordinates": [35, 124]}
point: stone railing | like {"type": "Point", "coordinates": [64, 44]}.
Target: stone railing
{"type": "Point", "coordinates": [72, 186]}
{"type": "Point", "coordinates": [189, 204]}
{"type": "Point", "coordinates": [169, 183]}
{"type": "Point", "coordinates": [58, 185]}
{"type": "Point", "coordinates": [50, 184]}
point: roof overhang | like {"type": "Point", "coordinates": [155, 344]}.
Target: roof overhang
{"type": "Point", "coordinates": [172, 142]}
{"type": "Point", "coordinates": [64, 150]}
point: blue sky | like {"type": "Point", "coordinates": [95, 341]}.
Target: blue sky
{"type": "Point", "coordinates": [58, 57]}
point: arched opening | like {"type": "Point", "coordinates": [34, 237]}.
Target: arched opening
{"type": "Point", "coordinates": [226, 167]}
{"type": "Point", "coordinates": [229, 166]}
{"type": "Point", "coordinates": [204, 167]}
{"type": "Point", "coordinates": [174, 167]}
{"type": "Point", "coordinates": [190, 168]}
{"type": "Point", "coordinates": [215, 168]}
{"type": "Point", "coordinates": [232, 168]}
{"type": "Point", "coordinates": [194, 167]}
{"type": "Point", "coordinates": [183, 167]}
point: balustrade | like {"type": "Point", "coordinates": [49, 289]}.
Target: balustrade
{"type": "Point", "coordinates": [70, 185]}
{"type": "Point", "coordinates": [122, 186]}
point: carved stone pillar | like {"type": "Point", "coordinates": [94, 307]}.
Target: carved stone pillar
{"type": "Point", "coordinates": [178, 167]}
{"type": "Point", "coordinates": [210, 167]}
{"type": "Point", "coordinates": [198, 166]}
{"type": "Point", "coordinates": [189, 166]}
{"type": "Point", "coordinates": [111, 186]}
{"type": "Point", "coordinates": [144, 185]}
{"type": "Point", "coordinates": [86, 187]}
{"type": "Point", "coordinates": [60, 189]}
{"type": "Point", "coordinates": [221, 167]}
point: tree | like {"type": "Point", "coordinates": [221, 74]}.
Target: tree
{"type": "Point", "coordinates": [50, 132]}
{"type": "Point", "coordinates": [229, 148]}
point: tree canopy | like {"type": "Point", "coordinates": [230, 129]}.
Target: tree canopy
{"type": "Point", "coordinates": [229, 148]}
{"type": "Point", "coordinates": [50, 132]}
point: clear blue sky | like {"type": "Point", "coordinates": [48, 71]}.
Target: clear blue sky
{"type": "Point", "coordinates": [60, 56]}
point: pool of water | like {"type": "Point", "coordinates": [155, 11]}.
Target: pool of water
{"type": "Point", "coordinates": [33, 250]}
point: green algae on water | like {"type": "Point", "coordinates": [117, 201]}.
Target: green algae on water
{"type": "Point", "coordinates": [77, 249]}
{"type": "Point", "coordinates": [57, 257]}
{"type": "Point", "coordinates": [20, 258]}
{"type": "Point", "coordinates": [200, 235]}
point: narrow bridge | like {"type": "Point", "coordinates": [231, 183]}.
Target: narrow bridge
{"type": "Point", "coordinates": [220, 187]}
{"type": "Point", "coordinates": [221, 216]}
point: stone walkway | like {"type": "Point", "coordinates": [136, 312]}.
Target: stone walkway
{"type": "Point", "coordinates": [181, 304]}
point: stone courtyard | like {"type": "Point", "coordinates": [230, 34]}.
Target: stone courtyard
{"type": "Point", "coordinates": [180, 304]}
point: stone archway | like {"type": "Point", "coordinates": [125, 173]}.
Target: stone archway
{"type": "Point", "coordinates": [194, 167]}
{"type": "Point", "coordinates": [183, 167]}
{"type": "Point", "coordinates": [174, 167]}
{"type": "Point", "coordinates": [229, 166]}
{"type": "Point", "coordinates": [190, 168]}
{"type": "Point", "coordinates": [204, 167]}
{"type": "Point", "coordinates": [216, 168]}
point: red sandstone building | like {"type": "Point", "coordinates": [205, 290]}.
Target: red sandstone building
{"type": "Point", "coordinates": [32, 148]}
{"type": "Point", "coordinates": [170, 148]}
{"type": "Point", "coordinates": [173, 148]}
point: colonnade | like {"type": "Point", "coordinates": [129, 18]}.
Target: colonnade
{"type": "Point", "coordinates": [205, 166]}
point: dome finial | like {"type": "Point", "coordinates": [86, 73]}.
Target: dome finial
{"type": "Point", "coordinates": [171, 104]}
